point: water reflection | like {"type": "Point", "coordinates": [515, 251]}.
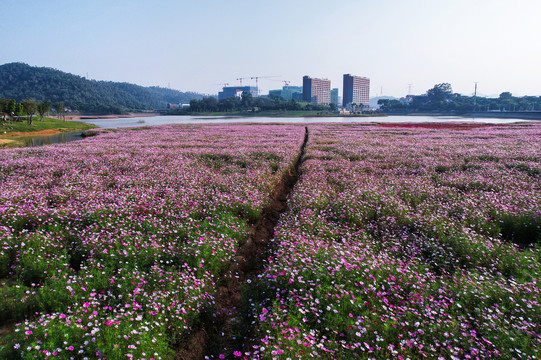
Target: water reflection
{"type": "Point", "coordinates": [52, 139]}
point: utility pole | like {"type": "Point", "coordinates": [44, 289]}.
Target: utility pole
{"type": "Point", "coordinates": [409, 89]}
{"type": "Point", "coordinates": [475, 97]}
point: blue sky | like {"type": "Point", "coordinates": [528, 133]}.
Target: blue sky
{"type": "Point", "coordinates": [197, 45]}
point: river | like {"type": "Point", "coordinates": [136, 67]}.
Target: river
{"type": "Point", "coordinates": [171, 119]}
{"type": "Point", "coordinates": [163, 120]}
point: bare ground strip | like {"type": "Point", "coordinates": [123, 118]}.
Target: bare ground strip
{"type": "Point", "coordinates": [230, 328]}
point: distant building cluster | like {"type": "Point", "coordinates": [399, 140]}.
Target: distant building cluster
{"type": "Point", "coordinates": [288, 93]}
{"type": "Point", "coordinates": [178, 106]}
{"type": "Point", "coordinates": [355, 91]}
{"type": "Point", "coordinates": [236, 91]}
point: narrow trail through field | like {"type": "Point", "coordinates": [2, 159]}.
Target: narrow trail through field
{"type": "Point", "coordinates": [230, 329]}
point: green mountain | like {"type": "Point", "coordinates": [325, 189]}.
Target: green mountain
{"type": "Point", "coordinates": [20, 81]}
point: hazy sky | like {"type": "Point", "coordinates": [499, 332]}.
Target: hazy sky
{"type": "Point", "coordinates": [198, 45]}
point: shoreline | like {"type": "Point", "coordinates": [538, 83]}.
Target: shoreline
{"type": "Point", "coordinates": [130, 115]}
{"type": "Point", "coordinates": [479, 115]}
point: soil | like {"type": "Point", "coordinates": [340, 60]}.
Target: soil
{"type": "Point", "coordinates": [19, 134]}
{"type": "Point", "coordinates": [232, 329]}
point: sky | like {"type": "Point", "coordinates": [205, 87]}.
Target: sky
{"type": "Point", "coordinates": [201, 45]}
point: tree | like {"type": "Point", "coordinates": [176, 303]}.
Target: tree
{"type": "Point", "coordinates": [247, 99]}
{"type": "Point", "coordinates": [440, 93]}
{"type": "Point", "coordinates": [12, 109]}
{"type": "Point", "coordinates": [30, 109]}
{"type": "Point", "coordinates": [506, 96]}
{"type": "Point", "coordinates": [60, 110]}
{"type": "Point", "coordinates": [4, 103]}
{"type": "Point", "coordinates": [43, 109]}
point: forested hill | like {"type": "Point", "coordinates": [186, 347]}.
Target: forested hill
{"type": "Point", "coordinates": [20, 81]}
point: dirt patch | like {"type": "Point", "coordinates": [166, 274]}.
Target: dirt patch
{"type": "Point", "coordinates": [19, 134]}
{"type": "Point", "coordinates": [6, 141]}
{"type": "Point", "coordinates": [231, 328]}
{"type": "Point", "coordinates": [437, 126]}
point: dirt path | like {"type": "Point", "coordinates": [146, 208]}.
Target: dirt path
{"type": "Point", "coordinates": [231, 328]}
{"type": "Point", "coordinates": [18, 134]}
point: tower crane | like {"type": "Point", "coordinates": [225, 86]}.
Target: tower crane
{"type": "Point", "coordinates": [242, 78]}
{"type": "Point", "coordinates": [260, 77]}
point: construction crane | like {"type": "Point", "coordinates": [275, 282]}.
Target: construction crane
{"type": "Point", "coordinates": [242, 78]}
{"type": "Point", "coordinates": [260, 77]}
{"type": "Point", "coordinates": [286, 83]}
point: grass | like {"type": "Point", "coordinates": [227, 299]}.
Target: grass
{"type": "Point", "coordinates": [46, 124]}
{"type": "Point", "coordinates": [14, 134]}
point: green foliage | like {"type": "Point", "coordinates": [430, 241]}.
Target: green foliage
{"type": "Point", "coordinates": [250, 104]}
{"type": "Point", "coordinates": [43, 109]}
{"type": "Point", "coordinates": [441, 98]}
{"type": "Point", "coordinates": [30, 108]}
{"type": "Point", "coordinates": [19, 81]}
{"type": "Point", "coordinates": [46, 124]}
{"type": "Point", "coordinates": [524, 229]}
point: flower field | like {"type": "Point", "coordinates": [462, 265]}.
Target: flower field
{"type": "Point", "coordinates": [407, 243]}
{"type": "Point", "coordinates": [400, 242]}
{"type": "Point", "coordinates": [113, 247]}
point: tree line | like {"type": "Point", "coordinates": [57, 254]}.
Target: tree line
{"type": "Point", "coordinates": [249, 103]}
{"type": "Point", "coordinates": [441, 98]}
{"type": "Point", "coordinates": [12, 110]}
{"type": "Point", "coordinates": [20, 81]}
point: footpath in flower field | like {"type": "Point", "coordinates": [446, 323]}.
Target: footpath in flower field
{"type": "Point", "coordinates": [235, 329]}
{"type": "Point", "coordinates": [115, 246]}
{"type": "Point", "coordinates": [407, 243]}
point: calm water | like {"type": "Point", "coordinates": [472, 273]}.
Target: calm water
{"type": "Point", "coordinates": [162, 120]}
{"type": "Point", "coordinates": [52, 139]}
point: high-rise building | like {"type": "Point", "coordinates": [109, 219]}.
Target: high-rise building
{"type": "Point", "coordinates": [316, 91]}
{"type": "Point", "coordinates": [232, 91]}
{"type": "Point", "coordinates": [334, 96]}
{"type": "Point", "coordinates": [356, 90]}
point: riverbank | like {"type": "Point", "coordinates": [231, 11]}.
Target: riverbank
{"type": "Point", "coordinates": [127, 116]}
{"type": "Point", "coordinates": [13, 134]}
{"type": "Point", "coordinates": [524, 115]}
{"type": "Point", "coordinates": [277, 114]}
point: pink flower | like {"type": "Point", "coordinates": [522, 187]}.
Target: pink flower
{"type": "Point", "coordinates": [237, 353]}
